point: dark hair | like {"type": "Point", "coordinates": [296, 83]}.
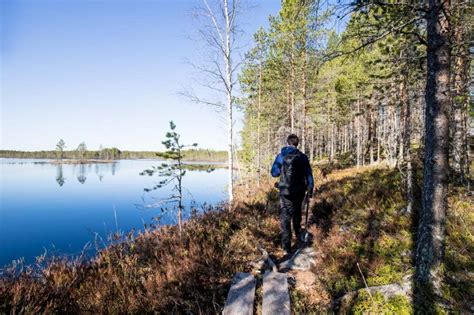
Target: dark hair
{"type": "Point", "coordinates": [293, 140]}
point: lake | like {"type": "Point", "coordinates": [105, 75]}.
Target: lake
{"type": "Point", "coordinates": [60, 208]}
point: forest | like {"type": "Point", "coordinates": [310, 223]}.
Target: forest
{"type": "Point", "coordinates": [361, 96]}
{"type": "Point", "coordinates": [394, 88]}
{"type": "Point", "coordinates": [384, 111]}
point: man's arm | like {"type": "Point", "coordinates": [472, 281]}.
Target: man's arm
{"type": "Point", "coordinates": [309, 177]}
{"type": "Point", "coordinates": [276, 167]}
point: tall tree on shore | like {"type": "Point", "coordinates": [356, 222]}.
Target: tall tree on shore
{"type": "Point", "coordinates": [219, 31]}
{"type": "Point", "coordinates": [60, 148]}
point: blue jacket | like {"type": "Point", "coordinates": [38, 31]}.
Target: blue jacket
{"type": "Point", "coordinates": [276, 167]}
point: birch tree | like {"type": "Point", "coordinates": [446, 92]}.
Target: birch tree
{"type": "Point", "coordinates": [219, 31]}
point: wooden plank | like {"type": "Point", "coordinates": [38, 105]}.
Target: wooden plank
{"type": "Point", "coordinates": [276, 297]}
{"type": "Point", "coordinates": [241, 295]}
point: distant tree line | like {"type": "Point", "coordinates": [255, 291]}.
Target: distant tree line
{"type": "Point", "coordinates": [82, 153]}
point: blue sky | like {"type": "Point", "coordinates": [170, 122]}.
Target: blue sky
{"type": "Point", "coordinates": [104, 72]}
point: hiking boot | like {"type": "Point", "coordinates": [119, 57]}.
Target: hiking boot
{"type": "Point", "coordinates": [300, 240]}
{"type": "Point", "coordinates": [286, 256]}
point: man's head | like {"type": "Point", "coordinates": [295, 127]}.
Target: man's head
{"type": "Point", "coordinates": [292, 140]}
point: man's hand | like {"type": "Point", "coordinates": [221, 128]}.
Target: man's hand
{"type": "Point", "coordinates": [275, 185]}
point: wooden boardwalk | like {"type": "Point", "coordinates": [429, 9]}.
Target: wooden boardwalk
{"type": "Point", "coordinates": [241, 295]}
{"type": "Point", "coordinates": [276, 298]}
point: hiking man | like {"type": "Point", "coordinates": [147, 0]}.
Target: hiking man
{"type": "Point", "coordinates": [296, 178]}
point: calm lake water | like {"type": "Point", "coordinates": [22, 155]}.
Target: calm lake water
{"type": "Point", "coordinates": [61, 208]}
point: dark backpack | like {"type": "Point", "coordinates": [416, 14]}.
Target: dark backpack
{"type": "Point", "coordinates": [292, 177]}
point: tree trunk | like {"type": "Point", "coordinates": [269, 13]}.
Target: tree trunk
{"type": "Point", "coordinates": [292, 94]}
{"type": "Point", "coordinates": [259, 166]}
{"type": "Point", "coordinates": [311, 153]}
{"type": "Point", "coordinates": [370, 135]}
{"type": "Point", "coordinates": [229, 83]}
{"type": "Point", "coordinates": [460, 98]}
{"type": "Point", "coordinates": [304, 95]}
{"type": "Point", "coordinates": [358, 134]}
{"type": "Point", "coordinates": [431, 229]}
{"type": "Point", "coordinates": [405, 149]}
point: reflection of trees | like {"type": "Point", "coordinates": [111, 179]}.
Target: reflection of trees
{"type": "Point", "coordinates": [98, 172]}
{"type": "Point", "coordinates": [82, 174]}
{"type": "Point", "coordinates": [113, 168]}
{"type": "Point", "coordinates": [208, 168]}
{"type": "Point", "coordinates": [59, 175]}
{"type": "Point", "coordinates": [81, 171]}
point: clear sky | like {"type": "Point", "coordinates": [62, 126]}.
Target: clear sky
{"type": "Point", "coordinates": [104, 72]}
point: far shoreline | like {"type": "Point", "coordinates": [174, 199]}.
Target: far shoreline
{"type": "Point", "coordinates": [108, 161]}
{"type": "Point", "coordinates": [109, 155]}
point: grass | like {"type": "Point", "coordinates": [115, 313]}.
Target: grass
{"type": "Point", "coordinates": [358, 217]}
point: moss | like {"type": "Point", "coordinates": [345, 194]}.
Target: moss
{"type": "Point", "coordinates": [345, 284]}
{"type": "Point", "coordinates": [392, 251]}
{"type": "Point", "coordinates": [386, 274]}
{"type": "Point", "coordinates": [377, 304]}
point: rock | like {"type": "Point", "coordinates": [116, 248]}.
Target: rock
{"type": "Point", "coordinates": [303, 259]}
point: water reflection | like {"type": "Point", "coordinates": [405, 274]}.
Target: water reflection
{"type": "Point", "coordinates": [83, 171]}
{"type": "Point", "coordinates": [60, 179]}
{"type": "Point", "coordinates": [98, 172]}
{"type": "Point", "coordinates": [81, 177]}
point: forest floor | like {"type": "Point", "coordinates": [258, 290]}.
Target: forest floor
{"type": "Point", "coordinates": [359, 226]}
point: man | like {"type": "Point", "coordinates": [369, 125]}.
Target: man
{"type": "Point", "coordinates": [296, 178]}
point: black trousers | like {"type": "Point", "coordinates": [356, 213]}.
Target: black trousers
{"type": "Point", "coordinates": [290, 211]}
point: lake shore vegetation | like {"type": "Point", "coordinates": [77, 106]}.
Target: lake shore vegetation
{"type": "Point", "coordinates": [359, 217]}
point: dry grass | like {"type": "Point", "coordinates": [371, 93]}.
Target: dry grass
{"type": "Point", "coordinates": [358, 218]}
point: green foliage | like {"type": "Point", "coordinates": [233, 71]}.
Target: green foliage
{"type": "Point", "coordinates": [282, 64]}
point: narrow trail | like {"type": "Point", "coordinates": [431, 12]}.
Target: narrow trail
{"type": "Point", "coordinates": [274, 285]}
{"type": "Point", "coordinates": [271, 293]}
